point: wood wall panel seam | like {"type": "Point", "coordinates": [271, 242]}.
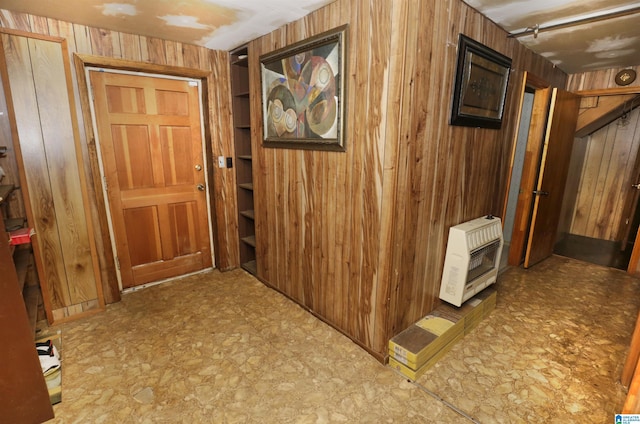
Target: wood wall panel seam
{"type": "Point", "coordinates": [91, 42]}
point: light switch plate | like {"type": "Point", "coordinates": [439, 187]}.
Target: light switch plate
{"type": "Point", "coordinates": [221, 162]}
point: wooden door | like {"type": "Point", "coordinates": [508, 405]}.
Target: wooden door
{"type": "Point", "coordinates": [531, 163]}
{"type": "Point", "coordinates": [552, 176]}
{"type": "Point", "coordinates": [151, 148]}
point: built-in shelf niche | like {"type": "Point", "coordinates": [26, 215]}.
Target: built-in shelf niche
{"type": "Point", "coordinates": [243, 160]}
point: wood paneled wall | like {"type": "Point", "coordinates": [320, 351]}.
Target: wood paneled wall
{"type": "Point", "coordinates": [359, 237]}
{"type": "Point", "coordinates": [597, 80]}
{"type": "Point", "coordinates": [36, 74]}
{"type": "Point", "coordinates": [94, 41]}
{"type": "Point", "coordinates": [605, 177]}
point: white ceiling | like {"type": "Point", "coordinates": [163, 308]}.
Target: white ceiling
{"type": "Point", "coordinates": [225, 24]}
{"type": "Point", "coordinates": [577, 47]}
{"type": "Point", "coordinates": [216, 24]}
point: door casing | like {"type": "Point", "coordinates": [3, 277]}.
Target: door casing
{"type": "Point", "coordinates": [552, 176]}
{"type": "Point", "coordinates": [522, 218]}
{"type": "Point", "coordinates": [516, 249]}
{"type": "Point", "coordinates": [206, 165]}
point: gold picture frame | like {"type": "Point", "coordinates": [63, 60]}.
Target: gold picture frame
{"type": "Point", "coordinates": [303, 91]}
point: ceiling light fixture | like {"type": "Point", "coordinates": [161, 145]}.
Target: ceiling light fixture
{"type": "Point", "coordinates": [535, 30]}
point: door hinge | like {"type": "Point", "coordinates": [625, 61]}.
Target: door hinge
{"type": "Point", "coordinates": [104, 182]}
{"type": "Point", "coordinates": [117, 262]}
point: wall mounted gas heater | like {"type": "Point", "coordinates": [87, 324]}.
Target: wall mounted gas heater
{"type": "Point", "coordinates": [472, 259]}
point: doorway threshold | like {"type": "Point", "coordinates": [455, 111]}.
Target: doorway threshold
{"type": "Point", "coordinates": [166, 280]}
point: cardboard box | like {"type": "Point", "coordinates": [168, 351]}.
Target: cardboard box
{"type": "Point", "coordinates": [423, 341]}
{"type": "Point", "coordinates": [414, 374]}
{"type": "Point", "coordinates": [411, 343]}
{"type": "Point", "coordinates": [418, 343]}
{"type": "Point", "coordinates": [489, 301]}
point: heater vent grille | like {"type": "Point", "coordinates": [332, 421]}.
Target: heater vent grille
{"type": "Point", "coordinates": [472, 259]}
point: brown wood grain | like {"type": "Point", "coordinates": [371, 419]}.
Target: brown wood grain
{"type": "Point", "coordinates": [558, 144]}
{"type": "Point", "coordinates": [149, 131]}
{"type": "Point", "coordinates": [23, 393]}
{"type": "Point", "coordinates": [14, 20]}
{"type": "Point", "coordinates": [631, 362]}
{"type": "Point", "coordinates": [55, 188]}
{"type": "Point", "coordinates": [606, 110]}
{"type": "Point", "coordinates": [630, 202]}
{"type": "Point", "coordinates": [49, 74]}
{"type": "Point", "coordinates": [528, 182]}
{"type": "Point", "coordinates": [369, 225]}
{"type": "Point", "coordinates": [224, 208]}
{"type": "Point", "coordinates": [102, 237]}
{"type": "Point", "coordinates": [374, 219]}
{"type": "Point", "coordinates": [104, 44]}
{"type": "Point", "coordinates": [130, 47]}
{"type": "Point", "coordinates": [607, 174]}
{"type": "Point", "coordinates": [587, 82]}
{"type": "Point", "coordinates": [30, 153]}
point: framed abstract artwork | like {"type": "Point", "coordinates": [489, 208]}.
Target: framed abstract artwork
{"type": "Point", "coordinates": [303, 91]}
{"type": "Point", "coordinates": [480, 88]}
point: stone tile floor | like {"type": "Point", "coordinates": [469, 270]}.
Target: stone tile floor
{"type": "Point", "coordinates": [223, 348]}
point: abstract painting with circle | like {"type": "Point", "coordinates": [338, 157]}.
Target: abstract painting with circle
{"type": "Point", "coordinates": [302, 92]}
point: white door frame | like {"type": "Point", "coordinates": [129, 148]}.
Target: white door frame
{"type": "Point", "coordinates": [191, 81]}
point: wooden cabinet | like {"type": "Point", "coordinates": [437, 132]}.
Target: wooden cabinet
{"type": "Point", "coordinates": [24, 397]}
{"type": "Point", "coordinates": [243, 159]}
{"type": "Point", "coordinates": [47, 152]}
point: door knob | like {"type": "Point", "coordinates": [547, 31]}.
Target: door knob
{"type": "Point", "coordinates": [636, 186]}
{"type": "Point", "coordinates": [198, 168]}
{"type": "Point", "coordinates": [200, 187]}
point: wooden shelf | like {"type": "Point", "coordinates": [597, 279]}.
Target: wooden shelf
{"type": "Point", "coordinates": [248, 214]}
{"type": "Point", "coordinates": [240, 60]}
{"type": "Point", "coordinates": [250, 240]}
{"type": "Point", "coordinates": [250, 267]}
{"type": "Point", "coordinates": [241, 107]}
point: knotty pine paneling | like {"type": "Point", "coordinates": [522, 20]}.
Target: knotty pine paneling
{"type": "Point", "coordinates": [100, 42]}
{"type": "Point", "coordinates": [36, 80]}
{"type": "Point", "coordinates": [606, 176]}
{"type": "Point", "coordinates": [359, 237]}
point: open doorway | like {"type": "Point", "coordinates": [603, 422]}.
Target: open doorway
{"type": "Point", "coordinates": [546, 128]}
{"type": "Point", "coordinates": [599, 218]}
{"type": "Point", "coordinates": [600, 209]}
{"type": "Point", "coordinates": [516, 171]}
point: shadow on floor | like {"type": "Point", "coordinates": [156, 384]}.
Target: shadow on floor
{"type": "Point", "coordinates": [600, 252]}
